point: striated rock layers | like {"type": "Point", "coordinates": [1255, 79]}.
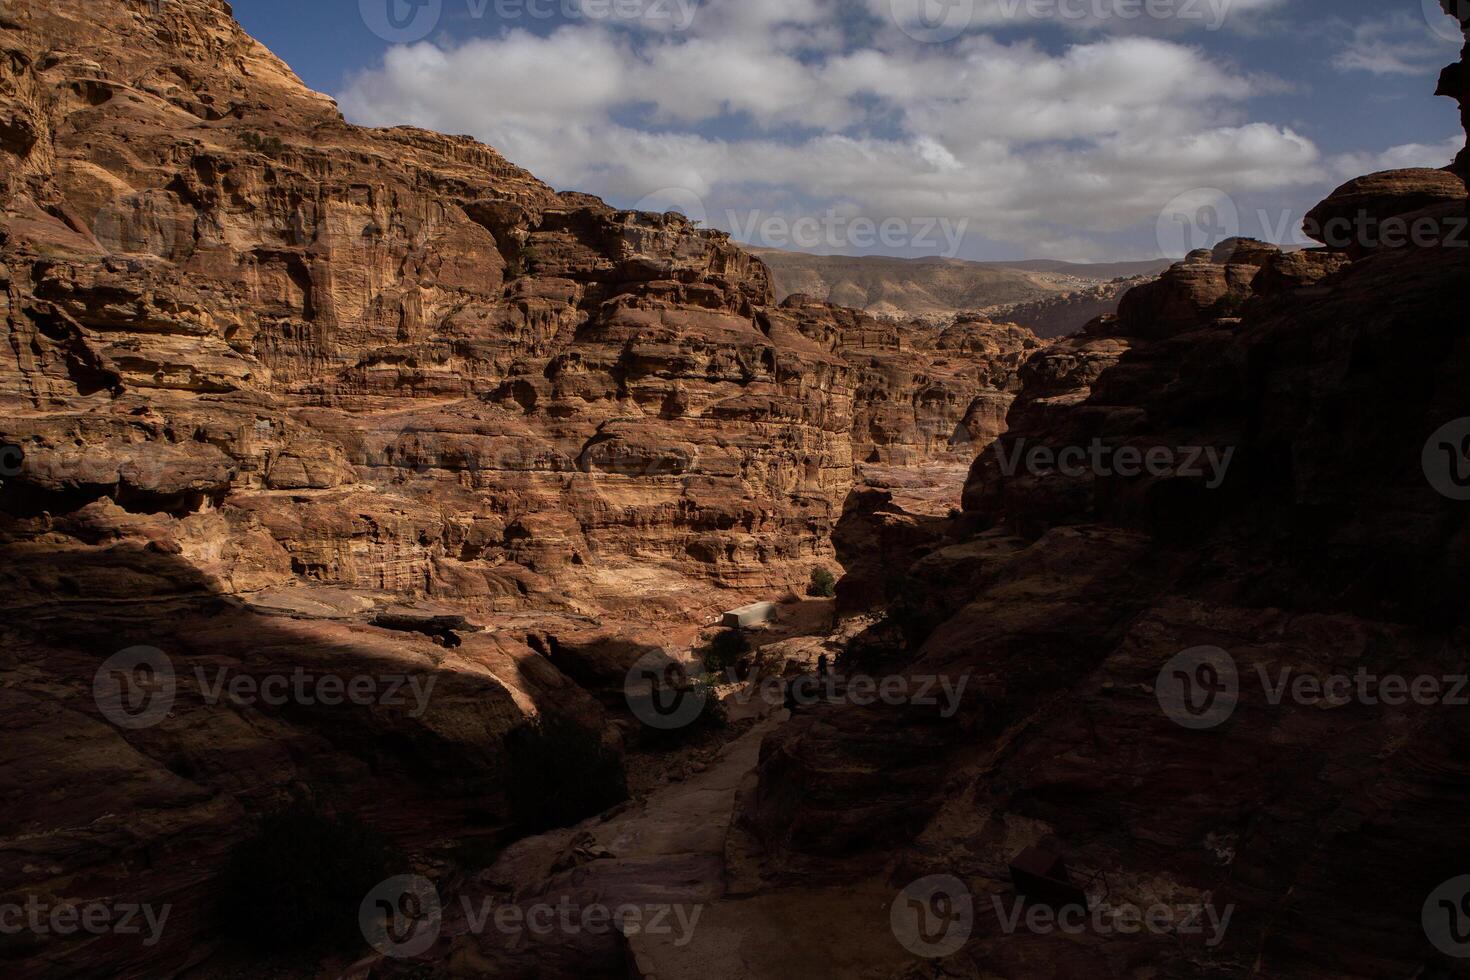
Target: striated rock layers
{"type": "Point", "coordinates": [297, 398]}
{"type": "Point", "coordinates": [300, 400]}
{"type": "Point", "coordinates": [921, 394]}
{"type": "Point", "coordinates": [1308, 828]}
{"type": "Point", "coordinates": [1064, 315]}
{"type": "Point", "coordinates": [403, 360]}
{"type": "Point", "coordinates": [1334, 541]}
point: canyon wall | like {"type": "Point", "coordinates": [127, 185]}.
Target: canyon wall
{"type": "Point", "coordinates": [395, 361]}
{"type": "Point", "coordinates": [245, 302]}
{"type": "Point", "coordinates": [1331, 539]}
{"type": "Point", "coordinates": [1067, 314]}
{"type": "Point", "coordinates": [297, 396]}
{"type": "Point", "coordinates": [1256, 463]}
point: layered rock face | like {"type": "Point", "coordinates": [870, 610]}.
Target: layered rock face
{"type": "Point", "coordinates": [303, 401]}
{"type": "Point", "coordinates": [292, 396]}
{"type": "Point", "coordinates": [922, 394]}
{"type": "Point", "coordinates": [386, 324]}
{"type": "Point", "coordinates": [1299, 517]}
{"type": "Point", "coordinates": [298, 399]}
{"type": "Point", "coordinates": [1064, 315]}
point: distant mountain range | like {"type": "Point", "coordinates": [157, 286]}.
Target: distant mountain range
{"type": "Point", "coordinates": [936, 288]}
{"type": "Point", "coordinates": [1063, 314]}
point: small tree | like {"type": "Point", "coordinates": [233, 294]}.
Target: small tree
{"type": "Point", "coordinates": [271, 146]}
{"type": "Point", "coordinates": [725, 651]}
{"type": "Point", "coordinates": [823, 585]}
{"type": "Point", "coordinates": [712, 718]}
{"type": "Point", "coordinates": [560, 773]}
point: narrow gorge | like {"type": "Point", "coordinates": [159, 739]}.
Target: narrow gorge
{"type": "Point", "coordinates": [299, 402]}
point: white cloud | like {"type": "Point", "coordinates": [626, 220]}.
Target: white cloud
{"type": "Point", "coordinates": [1435, 155]}
{"type": "Point", "coordinates": [1395, 45]}
{"type": "Point", "coordinates": [756, 108]}
{"type": "Point", "coordinates": [1142, 16]}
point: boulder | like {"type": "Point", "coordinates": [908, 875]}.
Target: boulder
{"type": "Point", "coordinates": [1358, 216]}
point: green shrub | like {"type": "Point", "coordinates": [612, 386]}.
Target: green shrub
{"type": "Point", "coordinates": [823, 585]}
{"type": "Point", "coordinates": [560, 773]}
{"type": "Point", "coordinates": [725, 651]}
{"type": "Point", "coordinates": [713, 719]}
{"type": "Point", "coordinates": [298, 882]}
{"type": "Point", "coordinates": [271, 146]}
{"type": "Point", "coordinates": [1231, 305]}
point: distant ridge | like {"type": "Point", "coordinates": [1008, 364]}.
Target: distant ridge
{"type": "Point", "coordinates": [1088, 270]}
{"type": "Point", "coordinates": [934, 287]}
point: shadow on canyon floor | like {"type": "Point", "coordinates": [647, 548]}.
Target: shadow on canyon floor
{"type": "Point", "coordinates": [135, 784]}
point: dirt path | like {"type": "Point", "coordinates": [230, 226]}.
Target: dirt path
{"type": "Point", "coordinates": [681, 846]}
{"type": "Point", "coordinates": [669, 847]}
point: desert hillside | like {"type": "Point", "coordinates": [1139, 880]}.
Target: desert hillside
{"type": "Point", "coordinates": [936, 287]}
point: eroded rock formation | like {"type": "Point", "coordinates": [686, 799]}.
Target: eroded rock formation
{"type": "Point", "coordinates": [298, 398]}
{"type": "Point", "coordinates": [1320, 549]}
{"type": "Point", "coordinates": [1324, 547]}
{"type": "Point", "coordinates": [302, 399]}
{"type": "Point", "coordinates": [1454, 82]}
{"type": "Point", "coordinates": [1064, 315]}
{"type": "Point", "coordinates": [1314, 831]}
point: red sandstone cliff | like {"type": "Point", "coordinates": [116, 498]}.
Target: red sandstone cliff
{"type": "Point", "coordinates": [289, 389]}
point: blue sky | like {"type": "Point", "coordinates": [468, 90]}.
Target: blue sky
{"type": "Point", "coordinates": [986, 129]}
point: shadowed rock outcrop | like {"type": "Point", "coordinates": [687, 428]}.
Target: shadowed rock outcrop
{"type": "Point", "coordinates": [302, 399]}
{"type": "Point", "coordinates": [1327, 543]}
{"type": "Point", "coordinates": [298, 398]}
{"type": "Point", "coordinates": [1064, 315]}
{"type": "Point", "coordinates": [1454, 82]}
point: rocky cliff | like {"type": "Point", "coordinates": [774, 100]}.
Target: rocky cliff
{"type": "Point", "coordinates": [1068, 313]}
{"type": "Point", "coordinates": [296, 397]}
{"type": "Point", "coordinates": [1247, 464]}
{"type": "Point", "coordinates": [922, 394]}
{"type": "Point", "coordinates": [937, 289]}
{"type": "Point", "coordinates": [299, 400]}
{"type": "Point", "coordinates": [1253, 471]}
{"type": "Point", "coordinates": [1455, 81]}
{"type": "Point", "coordinates": [449, 366]}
